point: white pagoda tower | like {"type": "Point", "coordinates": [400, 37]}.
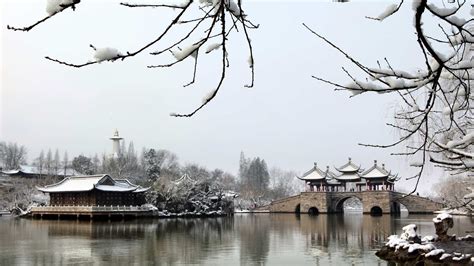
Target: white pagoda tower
{"type": "Point", "coordinates": [116, 144]}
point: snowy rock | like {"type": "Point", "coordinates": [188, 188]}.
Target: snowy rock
{"type": "Point", "coordinates": [434, 252]}
{"type": "Point", "coordinates": [409, 233]}
{"type": "Point", "coordinates": [443, 222]}
{"type": "Point", "coordinates": [445, 256]}
{"type": "Point", "coordinates": [428, 239]}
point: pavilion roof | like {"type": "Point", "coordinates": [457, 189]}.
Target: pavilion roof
{"type": "Point", "coordinates": [89, 182]}
{"type": "Point", "coordinates": [348, 177]}
{"type": "Point", "coordinates": [184, 179]}
{"type": "Point", "coordinates": [332, 181]}
{"type": "Point", "coordinates": [314, 174]}
{"type": "Point", "coordinates": [349, 167]}
{"type": "Point", "coordinates": [376, 171]}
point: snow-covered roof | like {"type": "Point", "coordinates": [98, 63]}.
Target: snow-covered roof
{"type": "Point", "coordinates": [332, 182]}
{"type": "Point", "coordinates": [139, 188]}
{"type": "Point", "coordinates": [376, 172]}
{"type": "Point", "coordinates": [349, 167]}
{"type": "Point", "coordinates": [348, 177]}
{"type": "Point", "coordinates": [34, 170]}
{"type": "Point", "coordinates": [90, 182]}
{"type": "Point", "coordinates": [314, 174]}
{"type": "Point", "coordinates": [184, 179]}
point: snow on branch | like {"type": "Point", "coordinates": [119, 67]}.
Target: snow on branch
{"type": "Point", "coordinates": [53, 7]}
{"type": "Point", "coordinates": [390, 10]}
{"type": "Point", "coordinates": [435, 112]}
{"type": "Point", "coordinates": [217, 19]}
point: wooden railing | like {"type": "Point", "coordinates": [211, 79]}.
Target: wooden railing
{"type": "Point", "coordinates": [87, 209]}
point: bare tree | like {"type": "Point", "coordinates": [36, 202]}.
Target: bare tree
{"type": "Point", "coordinates": [283, 183]}
{"type": "Point", "coordinates": [65, 163]}
{"type": "Point", "coordinates": [12, 155]}
{"type": "Point", "coordinates": [207, 21]}
{"type": "Point", "coordinates": [39, 162]}
{"type": "Point", "coordinates": [435, 114]}
{"type": "Point", "coordinates": [452, 190]}
{"type": "Point", "coordinates": [56, 163]}
{"type": "Point", "coordinates": [48, 163]}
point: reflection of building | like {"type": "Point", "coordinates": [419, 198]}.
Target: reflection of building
{"type": "Point", "coordinates": [350, 178]}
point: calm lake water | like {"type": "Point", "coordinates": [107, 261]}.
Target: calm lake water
{"type": "Point", "coordinates": [246, 239]}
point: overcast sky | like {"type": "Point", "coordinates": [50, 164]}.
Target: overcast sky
{"type": "Point", "coordinates": [288, 118]}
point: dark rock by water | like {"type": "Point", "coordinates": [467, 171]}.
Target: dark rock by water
{"type": "Point", "coordinates": [410, 249]}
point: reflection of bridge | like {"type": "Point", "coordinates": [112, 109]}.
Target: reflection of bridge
{"type": "Point", "coordinates": [374, 202]}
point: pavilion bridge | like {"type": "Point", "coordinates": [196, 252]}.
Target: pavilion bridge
{"type": "Point", "coordinates": [326, 192]}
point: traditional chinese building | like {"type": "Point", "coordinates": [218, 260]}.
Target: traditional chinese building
{"type": "Point", "coordinates": [351, 178]}
{"type": "Point", "coordinates": [28, 171]}
{"type": "Point", "coordinates": [319, 180]}
{"type": "Point", "coordinates": [94, 190]}
{"type": "Point", "coordinates": [349, 175]}
{"type": "Point", "coordinates": [378, 178]}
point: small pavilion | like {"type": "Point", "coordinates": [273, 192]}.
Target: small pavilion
{"type": "Point", "coordinates": [349, 175]}
{"type": "Point", "coordinates": [378, 178]}
{"type": "Point", "coordinates": [319, 180]}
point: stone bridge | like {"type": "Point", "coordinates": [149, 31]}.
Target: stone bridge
{"type": "Point", "coordinates": [374, 202]}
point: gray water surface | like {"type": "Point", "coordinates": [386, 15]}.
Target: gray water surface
{"type": "Point", "coordinates": [246, 239]}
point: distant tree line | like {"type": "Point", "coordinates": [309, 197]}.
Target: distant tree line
{"type": "Point", "coordinates": [158, 168]}
{"type": "Point", "coordinates": [11, 155]}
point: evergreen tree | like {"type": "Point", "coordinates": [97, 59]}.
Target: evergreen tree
{"type": "Point", "coordinates": [152, 169]}
{"type": "Point", "coordinates": [257, 175]}
{"type": "Point", "coordinates": [83, 165]}
{"type": "Point", "coordinates": [243, 167]}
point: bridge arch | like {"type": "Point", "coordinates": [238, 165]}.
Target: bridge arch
{"type": "Point", "coordinates": [313, 211]}
{"type": "Point", "coordinates": [397, 208]}
{"type": "Point", "coordinates": [339, 203]}
{"type": "Point", "coordinates": [376, 211]}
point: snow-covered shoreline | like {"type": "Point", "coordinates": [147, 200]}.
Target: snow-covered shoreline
{"type": "Point", "coordinates": [412, 248]}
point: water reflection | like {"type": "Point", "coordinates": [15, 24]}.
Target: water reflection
{"type": "Point", "coordinates": [273, 239]}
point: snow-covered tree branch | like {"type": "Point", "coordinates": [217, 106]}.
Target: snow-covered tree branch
{"type": "Point", "coordinates": [435, 114]}
{"type": "Point", "coordinates": [211, 22]}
